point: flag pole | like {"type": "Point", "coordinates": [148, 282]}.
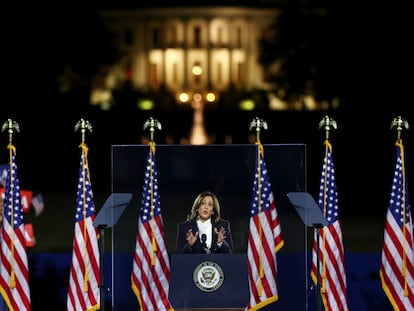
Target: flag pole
{"type": "Point", "coordinates": [10, 125]}
{"type": "Point", "coordinates": [264, 229]}
{"type": "Point", "coordinates": [258, 124]}
{"type": "Point", "coordinates": [397, 266]}
{"type": "Point", "coordinates": [84, 125]}
{"type": "Point", "coordinates": [400, 124]}
{"type": "Point", "coordinates": [152, 124]}
{"type": "Point", "coordinates": [150, 274]}
{"type": "Point", "coordinates": [328, 124]}
{"type": "Point", "coordinates": [14, 261]}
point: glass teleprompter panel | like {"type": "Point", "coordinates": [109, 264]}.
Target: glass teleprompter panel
{"type": "Point", "coordinates": [228, 171]}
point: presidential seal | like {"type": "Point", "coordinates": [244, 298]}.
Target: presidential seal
{"type": "Point", "coordinates": [208, 276]}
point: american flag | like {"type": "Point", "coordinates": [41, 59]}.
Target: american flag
{"type": "Point", "coordinates": [84, 279]}
{"type": "Point", "coordinates": [14, 270]}
{"type": "Point", "coordinates": [3, 174]}
{"type": "Point", "coordinates": [265, 239]}
{"type": "Point", "coordinates": [332, 277]}
{"type": "Point", "coordinates": [397, 258]}
{"type": "Point", "coordinates": [151, 266]}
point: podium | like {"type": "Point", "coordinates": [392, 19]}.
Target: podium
{"type": "Point", "coordinates": [209, 281]}
{"type": "Point", "coordinates": [230, 168]}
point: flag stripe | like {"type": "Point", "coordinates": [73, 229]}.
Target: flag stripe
{"type": "Point", "coordinates": [14, 261]}
{"type": "Point", "coordinates": [332, 276]}
{"type": "Point", "coordinates": [84, 277]}
{"type": "Point", "coordinates": [394, 268]}
{"type": "Point", "coordinates": [397, 258]}
{"type": "Point", "coordinates": [150, 275]}
{"type": "Point", "coordinates": [264, 239]}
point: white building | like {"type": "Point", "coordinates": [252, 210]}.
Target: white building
{"type": "Point", "coordinates": [195, 50]}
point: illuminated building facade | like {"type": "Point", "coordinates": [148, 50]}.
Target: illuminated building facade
{"type": "Point", "coordinates": [189, 50]}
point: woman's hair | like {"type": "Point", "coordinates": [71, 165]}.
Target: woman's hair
{"type": "Point", "coordinates": [215, 217]}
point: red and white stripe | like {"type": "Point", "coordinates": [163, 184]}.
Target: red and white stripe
{"type": "Point", "coordinates": [264, 240]}
{"type": "Point", "coordinates": [151, 270]}
{"type": "Point", "coordinates": [331, 277]}
{"type": "Point", "coordinates": [397, 258]}
{"type": "Point", "coordinates": [331, 267]}
{"type": "Point", "coordinates": [398, 252]}
{"type": "Point", "coordinates": [84, 278]}
{"type": "Point", "coordinates": [84, 281]}
{"type": "Point", "coordinates": [150, 275]}
{"type": "Point", "coordinates": [14, 269]}
{"type": "Point", "coordinates": [14, 266]}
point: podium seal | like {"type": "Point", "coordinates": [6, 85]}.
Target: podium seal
{"type": "Point", "coordinates": [208, 276]}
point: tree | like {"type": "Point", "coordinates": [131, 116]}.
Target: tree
{"type": "Point", "coordinates": [301, 54]}
{"type": "Point", "coordinates": [56, 46]}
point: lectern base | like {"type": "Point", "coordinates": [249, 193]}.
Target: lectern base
{"type": "Point", "coordinates": [192, 274]}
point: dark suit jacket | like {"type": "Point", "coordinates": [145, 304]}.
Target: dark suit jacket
{"type": "Point", "coordinates": [183, 247]}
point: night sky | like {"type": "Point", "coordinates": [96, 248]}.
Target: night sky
{"type": "Point", "coordinates": [42, 38]}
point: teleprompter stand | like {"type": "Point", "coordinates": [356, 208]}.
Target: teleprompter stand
{"type": "Point", "coordinates": [311, 216]}
{"type": "Point", "coordinates": [107, 217]}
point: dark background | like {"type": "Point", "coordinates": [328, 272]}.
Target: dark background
{"type": "Point", "coordinates": [43, 37]}
{"type": "Point", "coordinates": [39, 38]}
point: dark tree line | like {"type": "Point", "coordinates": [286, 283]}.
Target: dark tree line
{"type": "Point", "coordinates": [302, 55]}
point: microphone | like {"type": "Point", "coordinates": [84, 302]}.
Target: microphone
{"type": "Point", "coordinates": [204, 244]}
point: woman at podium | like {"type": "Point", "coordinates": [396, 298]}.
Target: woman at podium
{"type": "Point", "coordinates": [204, 231]}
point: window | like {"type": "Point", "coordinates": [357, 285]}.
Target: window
{"type": "Point", "coordinates": [220, 36]}
{"type": "Point", "coordinates": [239, 37]}
{"type": "Point", "coordinates": [197, 36]}
{"type": "Point", "coordinates": [219, 72]}
{"type": "Point", "coordinates": [156, 38]}
{"type": "Point", "coordinates": [173, 37]}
